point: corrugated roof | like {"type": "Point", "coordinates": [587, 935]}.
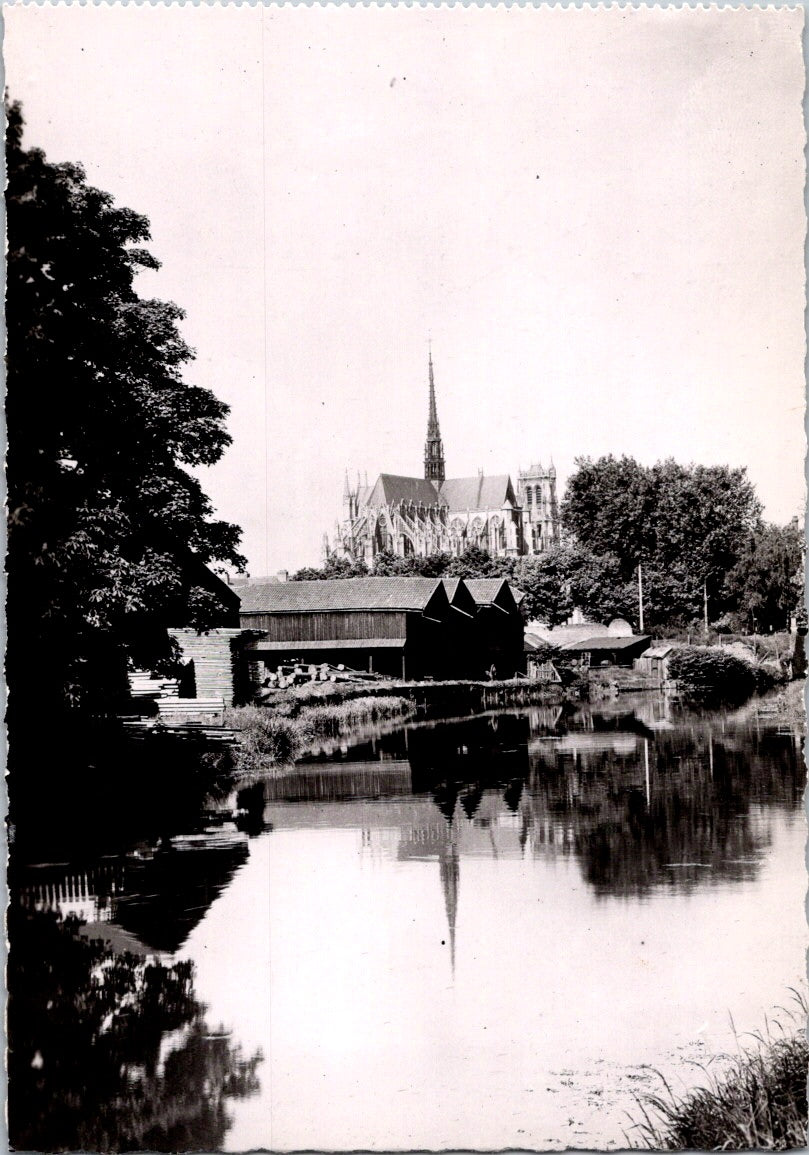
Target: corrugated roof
{"type": "Point", "coordinates": [534, 642]}
{"type": "Point", "coordinates": [481, 492]}
{"type": "Point", "coordinates": [605, 642]}
{"type": "Point", "coordinates": [367, 593]}
{"type": "Point", "coordinates": [390, 489]}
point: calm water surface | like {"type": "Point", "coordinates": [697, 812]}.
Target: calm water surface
{"type": "Point", "coordinates": [480, 933]}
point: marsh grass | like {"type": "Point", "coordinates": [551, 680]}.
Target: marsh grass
{"type": "Point", "coordinates": [265, 738]}
{"type": "Point", "coordinates": [756, 1101]}
{"type": "Point", "coordinates": [270, 739]}
{"type": "Point", "coordinates": [329, 721]}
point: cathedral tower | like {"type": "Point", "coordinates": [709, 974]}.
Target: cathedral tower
{"type": "Point", "coordinates": [433, 449]}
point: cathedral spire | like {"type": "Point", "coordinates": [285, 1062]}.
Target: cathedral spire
{"type": "Point", "coordinates": [433, 448]}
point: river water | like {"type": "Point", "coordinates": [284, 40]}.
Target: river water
{"type": "Point", "coordinates": [483, 933]}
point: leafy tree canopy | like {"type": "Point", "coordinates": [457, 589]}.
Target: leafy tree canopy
{"type": "Point", "coordinates": [661, 514]}
{"type": "Point", "coordinates": [333, 567]}
{"type": "Point", "coordinates": [766, 583]}
{"type": "Point", "coordinates": [472, 563]}
{"type": "Point", "coordinates": [109, 532]}
{"type": "Point", "coordinates": [686, 525]}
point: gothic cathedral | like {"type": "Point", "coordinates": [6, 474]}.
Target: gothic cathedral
{"type": "Point", "coordinates": [422, 515]}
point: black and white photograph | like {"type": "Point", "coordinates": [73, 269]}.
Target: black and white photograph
{"type": "Point", "coordinates": [405, 578]}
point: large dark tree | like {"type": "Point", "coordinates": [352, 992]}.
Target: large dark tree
{"type": "Point", "coordinates": [109, 532]}
{"type": "Point", "coordinates": [766, 584]}
{"type": "Point", "coordinates": [686, 525]}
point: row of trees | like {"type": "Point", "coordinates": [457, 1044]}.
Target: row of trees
{"type": "Point", "coordinates": [695, 532]}
{"type": "Point", "coordinates": [473, 562]}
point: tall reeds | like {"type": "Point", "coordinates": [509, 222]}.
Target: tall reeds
{"type": "Point", "coordinates": [757, 1102]}
{"type": "Point", "coordinates": [268, 738]}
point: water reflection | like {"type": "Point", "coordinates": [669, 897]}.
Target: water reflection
{"type": "Point", "coordinates": [427, 900]}
{"type": "Point", "coordinates": [640, 799]}
{"type": "Point", "coordinates": [145, 901]}
{"type": "Point", "coordinates": [110, 1052]}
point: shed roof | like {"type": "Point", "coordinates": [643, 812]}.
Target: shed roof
{"type": "Point", "coordinates": [606, 643]}
{"type": "Point", "coordinates": [534, 642]}
{"type": "Point", "coordinates": [658, 652]}
{"type": "Point", "coordinates": [365, 593]}
{"type": "Point", "coordinates": [485, 591]}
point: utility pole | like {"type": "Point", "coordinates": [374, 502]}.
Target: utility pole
{"type": "Point", "coordinates": [640, 597]}
{"type": "Point", "coordinates": [705, 606]}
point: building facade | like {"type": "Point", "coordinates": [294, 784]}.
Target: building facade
{"type": "Point", "coordinates": [416, 516]}
{"type": "Point", "coordinates": [407, 627]}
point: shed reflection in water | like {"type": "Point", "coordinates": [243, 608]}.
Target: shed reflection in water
{"type": "Point", "coordinates": [637, 803]}
{"type": "Point", "coordinates": [457, 934]}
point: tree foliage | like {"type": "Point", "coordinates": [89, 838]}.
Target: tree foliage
{"type": "Point", "coordinates": [332, 568]}
{"type": "Point", "coordinates": [472, 563]}
{"type": "Point", "coordinates": [766, 583]}
{"type": "Point", "coordinates": [687, 526]}
{"type": "Point", "coordinates": [109, 530]}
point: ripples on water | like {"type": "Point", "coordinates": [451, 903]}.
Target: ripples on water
{"type": "Point", "coordinates": [457, 934]}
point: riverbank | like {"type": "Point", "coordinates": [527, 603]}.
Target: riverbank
{"type": "Point", "coordinates": [429, 699]}
{"type": "Point", "coordinates": [786, 704]}
{"type": "Point", "coordinates": [758, 1101]}
{"type": "Point", "coordinates": [292, 720]}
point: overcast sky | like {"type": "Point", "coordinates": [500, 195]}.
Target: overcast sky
{"type": "Point", "coordinates": [596, 214]}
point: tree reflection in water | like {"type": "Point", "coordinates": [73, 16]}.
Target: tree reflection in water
{"type": "Point", "coordinates": [674, 811]}
{"type": "Point", "coordinates": [111, 1052]}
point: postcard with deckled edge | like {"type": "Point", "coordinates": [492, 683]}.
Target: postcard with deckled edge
{"type": "Point", "coordinates": [405, 578]}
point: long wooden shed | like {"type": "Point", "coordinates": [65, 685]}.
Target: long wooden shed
{"type": "Point", "coordinates": [406, 627]}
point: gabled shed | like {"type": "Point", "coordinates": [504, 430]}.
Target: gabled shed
{"type": "Point", "coordinates": [655, 661]}
{"type": "Point", "coordinates": [400, 626]}
{"type": "Point", "coordinates": [497, 639]}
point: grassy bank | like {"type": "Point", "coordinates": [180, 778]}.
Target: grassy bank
{"type": "Point", "coordinates": [758, 1102]}
{"type": "Point", "coordinates": [273, 738]}
{"type": "Point", "coordinates": [430, 699]}
{"type": "Point", "coordinates": [293, 719]}
{"type": "Point", "coordinates": [786, 704]}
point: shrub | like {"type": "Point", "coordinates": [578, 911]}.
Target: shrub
{"type": "Point", "coordinates": [712, 675]}
{"type": "Point", "coordinates": [267, 738]}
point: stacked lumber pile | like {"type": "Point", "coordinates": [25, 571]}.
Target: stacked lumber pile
{"type": "Point", "coordinates": [142, 684]}
{"type": "Point", "coordinates": [213, 658]}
